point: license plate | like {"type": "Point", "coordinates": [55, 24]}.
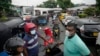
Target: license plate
{"type": "Point", "coordinates": [95, 34]}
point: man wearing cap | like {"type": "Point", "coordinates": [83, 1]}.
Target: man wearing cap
{"type": "Point", "coordinates": [13, 47]}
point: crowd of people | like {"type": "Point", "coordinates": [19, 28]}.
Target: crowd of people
{"type": "Point", "coordinates": [29, 45]}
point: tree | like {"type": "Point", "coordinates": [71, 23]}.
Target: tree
{"type": "Point", "coordinates": [4, 7]}
{"type": "Point", "coordinates": [98, 3]}
{"type": "Point", "coordinates": [48, 4]}
{"type": "Point", "coordinates": [98, 7]}
{"type": "Point", "coordinates": [90, 11]}
{"type": "Point", "coordinates": [64, 3]}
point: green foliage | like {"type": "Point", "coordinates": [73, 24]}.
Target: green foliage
{"type": "Point", "coordinates": [98, 3]}
{"type": "Point", "coordinates": [50, 4]}
{"type": "Point", "coordinates": [90, 11]}
{"type": "Point", "coordinates": [98, 7]}
{"type": "Point", "coordinates": [82, 15]}
{"type": "Point", "coordinates": [3, 18]}
{"type": "Point", "coordinates": [4, 7]}
{"type": "Point", "coordinates": [97, 11]}
{"type": "Point", "coordinates": [53, 4]}
{"type": "Point", "coordinates": [64, 3]}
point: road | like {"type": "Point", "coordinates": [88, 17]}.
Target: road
{"type": "Point", "coordinates": [62, 35]}
{"type": "Point", "coordinates": [60, 40]}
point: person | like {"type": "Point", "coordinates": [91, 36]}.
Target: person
{"type": "Point", "coordinates": [98, 44]}
{"type": "Point", "coordinates": [49, 36]}
{"type": "Point", "coordinates": [13, 47]}
{"type": "Point", "coordinates": [27, 18]}
{"type": "Point", "coordinates": [73, 45]}
{"type": "Point", "coordinates": [56, 31]}
{"type": "Point", "coordinates": [21, 31]}
{"type": "Point", "coordinates": [31, 39]}
{"type": "Point", "coordinates": [54, 17]}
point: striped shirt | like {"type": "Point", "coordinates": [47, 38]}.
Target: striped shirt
{"type": "Point", "coordinates": [31, 43]}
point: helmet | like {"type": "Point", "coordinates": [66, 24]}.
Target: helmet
{"type": "Point", "coordinates": [29, 26]}
{"type": "Point", "coordinates": [48, 31]}
{"type": "Point", "coordinates": [13, 42]}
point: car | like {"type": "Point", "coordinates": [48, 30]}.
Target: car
{"type": "Point", "coordinates": [91, 29]}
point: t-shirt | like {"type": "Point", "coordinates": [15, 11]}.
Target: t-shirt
{"type": "Point", "coordinates": [31, 44]}
{"type": "Point", "coordinates": [75, 47]}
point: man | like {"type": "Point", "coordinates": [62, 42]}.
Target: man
{"type": "Point", "coordinates": [31, 39]}
{"type": "Point", "coordinates": [98, 44]}
{"type": "Point", "coordinates": [73, 45]}
{"type": "Point", "coordinates": [13, 47]}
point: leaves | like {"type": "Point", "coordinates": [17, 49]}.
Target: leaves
{"type": "Point", "coordinates": [90, 11]}
{"type": "Point", "coordinates": [98, 7]}
{"type": "Point", "coordinates": [53, 4]}
{"type": "Point", "coordinates": [4, 6]}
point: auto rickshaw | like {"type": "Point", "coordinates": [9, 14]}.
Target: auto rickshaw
{"type": "Point", "coordinates": [62, 16]}
{"type": "Point", "coordinates": [42, 20]}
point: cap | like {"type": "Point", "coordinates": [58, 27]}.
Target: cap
{"type": "Point", "coordinates": [14, 41]}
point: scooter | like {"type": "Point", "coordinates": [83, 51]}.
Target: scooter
{"type": "Point", "coordinates": [56, 31]}
{"type": "Point", "coordinates": [53, 50]}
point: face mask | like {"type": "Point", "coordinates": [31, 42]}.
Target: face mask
{"type": "Point", "coordinates": [33, 32]}
{"type": "Point", "coordinates": [67, 33]}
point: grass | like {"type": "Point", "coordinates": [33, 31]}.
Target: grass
{"type": "Point", "coordinates": [3, 19]}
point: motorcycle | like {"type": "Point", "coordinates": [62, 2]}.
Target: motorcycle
{"type": "Point", "coordinates": [53, 50]}
{"type": "Point", "coordinates": [56, 31]}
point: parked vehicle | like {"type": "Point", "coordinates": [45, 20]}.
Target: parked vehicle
{"type": "Point", "coordinates": [62, 16]}
{"type": "Point", "coordinates": [4, 35]}
{"type": "Point", "coordinates": [67, 19]}
{"type": "Point", "coordinates": [8, 30]}
{"type": "Point", "coordinates": [91, 29]}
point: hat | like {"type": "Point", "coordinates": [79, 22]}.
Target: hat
{"type": "Point", "coordinates": [14, 41]}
